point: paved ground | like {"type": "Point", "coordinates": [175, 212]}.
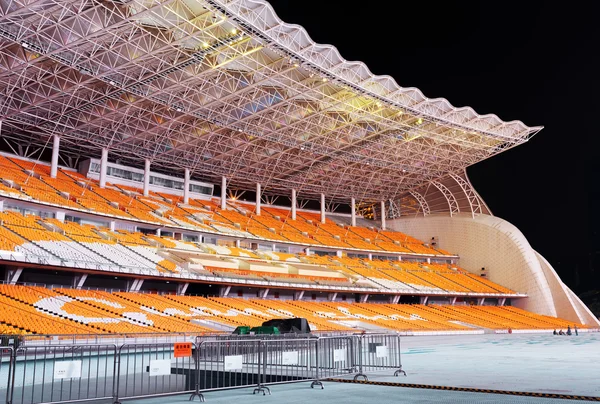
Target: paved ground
{"type": "Point", "coordinates": [533, 363]}
{"type": "Point", "coordinates": [301, 393]}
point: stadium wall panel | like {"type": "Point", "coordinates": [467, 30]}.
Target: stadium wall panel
{"type": "Point", "coordinates": [492, 243]}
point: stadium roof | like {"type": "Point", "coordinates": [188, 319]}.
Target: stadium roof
{"type": "Point", "coordinates": [225, 88]}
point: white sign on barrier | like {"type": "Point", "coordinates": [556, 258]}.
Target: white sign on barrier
{"type": "Point", "coordinates": [381, 351]}
{"type": "Point", "coordinates": [234, 362]}
{"type": "Point", "coordinates": [290, 358]}
{"type": "Point", "coordinates": [339, 355]}
{"type": "Point", "coordinates": [160, 367]}
{"type": "Point", "coordinates": [67, 369]}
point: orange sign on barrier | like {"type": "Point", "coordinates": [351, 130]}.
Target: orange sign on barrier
{"type": "Point", "coordinates": [182, 349]}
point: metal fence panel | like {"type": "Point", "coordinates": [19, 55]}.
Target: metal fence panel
{"type": "Point", "coordinates": [62, 374]}
{"type": "Point", "coordinates": [377, 352]}
{"type": "Point", "coordinates": [289, 360]}
{"type": "Point", "coordinates": [228, 364]}
{"type": "Point", "coordinates": [153, 370]}
{"type": "Point", "coordinates": [335, 357]}
{"type": "Point", "coordinates": [6, 366]}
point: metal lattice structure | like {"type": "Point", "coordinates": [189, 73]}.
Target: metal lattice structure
{"type": "Point", "coordinates": [225, 88]}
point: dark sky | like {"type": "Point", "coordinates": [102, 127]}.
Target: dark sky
{"type": "Point", "coordinates": [532, 62]}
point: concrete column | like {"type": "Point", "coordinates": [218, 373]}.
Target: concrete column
{"type": "Point", "coordinates": [370, 256]}
{"type": "Point", "coordinates": [54, 161]}
{"type": "Point", "coordinates": [113, 225]}
{"type": "Point", "coordinates": [158, 232]}
{"type": "Point", "coordinates": [1, 205]}
{"type": "Point", "coordinates": [224, 291]}
{"type": "Point", "coordinates": [181, 288]}
{"type": "Point", "coordinates": [146, 177]}
{"type": "Point", "coordinates": [353, 211]}
{"type": "Point", "coordinates": [382, 215]}
{"type": "Point", "coordinates": [364, 298]}
{"type": "Point", "coordinates": [223, 193]}
{"type": "Point", "coordinates": [79, 281]}
{"type": "Point", "coordinates": [452, 301]}
{"type": "Point", "coordinates": [322, 208]}
{"type": "Point", "coordinates": [13, 275]}
{"type": "Point", "coordinates": [186, 186]}
{"type": "Point", "coordinates": [298, 295]}
{"type": "Point", "coordinates": [237, 243]}
{"type": "Point", "coordinates": [293, 204]}
{"type": "Point", "coordinates": [423, 299]}
{"type": "Point", "coordinates": [60, 216]}
{"type": "Point", "coordinates": [258, 195]}
{"type": "Point", "coordinates": [103, 167]}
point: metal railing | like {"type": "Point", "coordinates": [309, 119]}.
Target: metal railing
{"type": "Point", "coordinates": [40, 374]}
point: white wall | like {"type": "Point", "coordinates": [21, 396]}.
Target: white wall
{"type": "Point", "coordinates": [493, 243]}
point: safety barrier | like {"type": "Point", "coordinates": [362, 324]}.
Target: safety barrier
{"type": "Point", "coordinates": [378, 351]}
{"type": "Point", "coordinates": [61, 374]}
{"type": "Point", "coordinates": [76, 373]}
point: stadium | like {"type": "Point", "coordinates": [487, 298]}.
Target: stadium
{"type": "Point", "coordinates": [175, 171]}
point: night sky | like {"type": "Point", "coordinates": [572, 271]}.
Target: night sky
{"type": "Point", "coordinates": [533, 62]}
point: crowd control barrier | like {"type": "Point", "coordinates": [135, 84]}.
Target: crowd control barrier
{"type": "Point", "coordinates": [71, 373]}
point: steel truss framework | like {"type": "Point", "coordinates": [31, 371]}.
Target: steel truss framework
{"type": "Point", "coordinates": [225, 88]}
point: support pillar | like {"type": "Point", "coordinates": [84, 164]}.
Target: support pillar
{"type": "Point", "coordinates": [181, 288]}
{"type": "Point", "coordinates": [423, 299]}
{"type": "Point", "coordinates": [364, 298]}
{"type": "Point", "coordinates": [146, 177]}
{"type": "Point", "coordinates": [382, 215]}
{"type": "Point", "coordinates": [54, 161]}
{"type": "Point", "coordinates": [370, 256]}
{"type": "Point", "coordinates": [264, 293]}
{"type": "Point", "coordinates": [224, 291]}
{"type": "Point", "coordinates": [136, 285]}
{"type": "Point", "coordinates": [480, 301]}
{"type": "Point", "coordinates": [331, 297]}
{"type": "Point", "coordinates": [307, 251]}
{"type": "Point", "coordinates": [353, 211]}
{"type": "Point", "coordinates": [258, 195]}
{"type": "Point", "coordinates": [429, 260]}
{"type": "Point", "coordinates": [237, 243]}
{"type": "Point", "coordinates": [79, 281]}
{"type": "Point", "coordinates": [293, 204]}
{"type": "Point", "coordinates": [223, 193]}
{"type": "Point", "coordinates": [501, 301]}
{"type": "Point", "coordinates": [186, 186]}
{"type": "Point", "coordinates": [13, 275]}
{"type": "Point", "coordinates": [103, 167]}
{"type": "Point", "coordinates": [395, 299]}
{"type": "Point", "coordinates": [1, 205]}
{"type": "Point", "coordinates": [452, 301]}
{"type": "Point", "coordinates": [60, 216]}
{"type": "Point", "coordinates": [339, 253]}
{"type": "Point", "coordinates": [113, 225]}
{"type": "Point", "coordinates": [298, 295]}
{"type": "Point", "coordinates": [322, 208]}
{"type": "Point", "coordinates": [158, 232]}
